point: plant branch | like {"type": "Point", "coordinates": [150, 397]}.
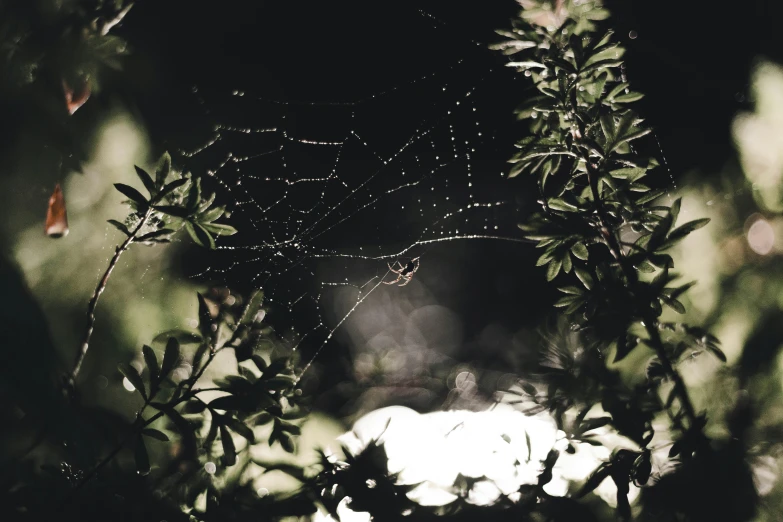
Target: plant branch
{"type": "Point", "coordinates": [613, 244]}
{"type": "Point", "coordinates": [97, 294]}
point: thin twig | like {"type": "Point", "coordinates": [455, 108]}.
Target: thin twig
{"type": "Point", "coordinates": [97, 294]}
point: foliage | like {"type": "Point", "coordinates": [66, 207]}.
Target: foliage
{"type": "Point", "coordinates": [175, 202]}
{"type": "Point", "coordinates": [68, 40]}
{"type": "Point", "coordinates": [604, 234]}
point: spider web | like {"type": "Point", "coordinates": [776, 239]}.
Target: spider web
{"type": "Point", "coordinates": [328, 196]}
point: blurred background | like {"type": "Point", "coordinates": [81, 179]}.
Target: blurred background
{"type": "Point", "coordinates": [467, 322]}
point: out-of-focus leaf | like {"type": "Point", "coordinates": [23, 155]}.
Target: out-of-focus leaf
{"type": "Point", "coordinates": [152, 365]}
{"type": "Point", "coordinates": [170, 357]}
{"type": "Point", "coordinates": [155, 434]}
{"type": "Point", "coordinates": [131, 193]}
{"type": "Point", "coordinates": [133, 376]}
{"type": "Point", "coordinates": [229, 450]}
{"type": "Point", "coordinates": [142, 457]}
{"type": "Point", "coordinates": [147, 180]}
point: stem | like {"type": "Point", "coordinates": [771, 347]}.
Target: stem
{"type": "Point", "coordinates": [97, 294]}
{"type": "Point", "coordinates": [631, 276]}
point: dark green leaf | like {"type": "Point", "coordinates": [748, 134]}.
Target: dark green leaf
{"type": "Point", "coordinates": [240, 429]}
{"type": "Point", "coordinates": [120, 226]}
{"type": "Point", "coordinates": [133, 376]}
{"type": "Point", "coordinates": [147, 180]}
{"type": "Point", "coordinates": [131, 193]}
{"type": "Point", "coordinates": [171, 187]}
{"type": "Point", "coordinates": [157, 234]}
{"type": "Point", "coordinates": [687, 228]}
{"type": "Point", "coordinates": [142, 457]}
{"type": "Point", "coordinates": [219, 229]}
{"type": "Point", "coordinates": [204, 318]}
{"type": "Point", "coordinates": [229, 451]}
{"type": "Point", "coordinates": [717, 352]}
{"type": "Point", "coordinates": [170, 357]}
{"type": "Point", "coordinates": [163, 170]}
{"type": "Point", "coordinates": [152, 365]}
{"type": "Point", "coordinates": [584, 276]}
{"type": "Point", "coordinates": [553, 269]}
{"type": "Point", "coordinates": [580, 251]}
{"type": "Point", "coordinates": [202, 236]}
{"type": "Point", "coordinates": [172, 210]}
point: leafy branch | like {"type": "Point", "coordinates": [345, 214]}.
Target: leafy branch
{"type": "Point", "coordinates": [600, 225]}
{"type": "Point", "coordinates": [175, 201]}
{"type": "Point", "coordinates": [248, 399]}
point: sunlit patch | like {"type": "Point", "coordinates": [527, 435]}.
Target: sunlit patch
{"type": "Point", "coordinates": [128, 385]}
{"type": "Point", "coordinates": [761, 236]}
{"type": "Point", "coordinates": [495, 451]}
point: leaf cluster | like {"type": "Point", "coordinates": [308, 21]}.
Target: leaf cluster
{"type": "Point", "coordinates": [175, 201]}
{"type": "Point", "coordinates": [604, 235]}
{"type": "Point", "coordinates": [262, 392]}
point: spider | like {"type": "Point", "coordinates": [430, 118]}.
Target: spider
{"type": "Point", "coordinates": [404, 272]}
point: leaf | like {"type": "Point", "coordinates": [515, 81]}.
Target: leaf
{"type": "Point", "coordinates": [259, 362]}
{"type": "Point", "coordinates": [147, 180]}
{"type": "Point", "coordinates": [592, 424]}
{"type": "Point", "coordinates": [240, 429]}
{"type": "Point", "coordinates": [219, 229]}
{"type": "Point", "coordinates": [184, 428]}
{"type": "Point", "coordinates": [674, 304]}
{"type": "Point", "coordinates": [563, 206]}
{"type": "Point", "coordinates": [131, 193]}
{"type": "Point", "coordinates": [567, 265]}
{"type": "Point", "coordinates": [687, 228]}
{"type": "Point", "coordinates": [170, 357]}
{"type": "Point", "coordinates": [171, 187]}
{"type": "Point", "coordinates": [172, 210]}
{"type": "Point", "coordinates": [649, 196]}
{"type": "Point", "coordinates": [152, 365]}
{"type": "Point", "coordinates": [628, 98]}
{"type": "Point", "coordinates": [120, 226]}
{"type": "Point", "coordinates": [133, 376]}
{"type": "Point", "coordinates": [595, 479]}
{"type": "Point", "coordinates": [585, 277]}
{"type": "Point", "coordinates": [230, 403]}
{"type": "Point", "coordinates": [287, 442]}
{"type": "Point", "coordinates": [155, 235]}
{"type": "Point", "coordinates": [229, 450]}
{"type": "Point", "coordinates": [553, 269]}
{"type": "Point", "coordinates": [155, 434]}
{"type": "Point", "coordinates": [717, 352]}
{"type": "Point", "coordinates": [142, 457]}
{"type": "Point", "coordinates": [580, 251]}
{"type": "Point", "coordinates": [163, 170]}
{"type": "Point", "coordinates": [204, 318]}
